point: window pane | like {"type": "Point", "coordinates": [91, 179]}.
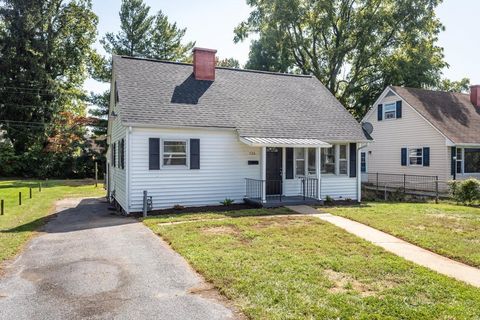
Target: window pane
{"type": "Point", "coordinates": [363, 157]}
{"type": "Point", "coordinates": [459, 166]}
{"type": "Point", "coordinates": [300, 171]}
{"type": "Point", "coordinates": [390, 111]}
{"type": "Point", "coordinates": [174, 153]}
{"type": "Point", "coordinates": [299, 153]}
{"type": "Point", "coordinates": [300, 161]}
{"type": "Point", "coordinates": [415, 156]}
{"type": "Point", "coordinates": [343, 167]}
{"type": "Point", "coordinates": [472, 160]}
{"type": "Point", "coordinates": [343, 151]}
{"type": "Point", "coordinates": [174, 161]}
{"type": "Point", "coordinates": [175, 146]}
{"type": "Point", "coordinates": [312, 163]}
{"type": "Point", "coordinates": [459, 154]}
{"type": "Point", "coordinates": [328, 160]}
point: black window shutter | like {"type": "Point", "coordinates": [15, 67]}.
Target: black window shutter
{"type": "Point", "coordinates": [404, 156]}
{"type": "Point", "coordinates": [114, 154]}
{"type": "Point", "coordinates": [380, 112]}
{"type": "Point", "coordinates": [123, 154]}
{"type": "Point", "coordinates": [426, 157]}
{"type": "Point", "coordinates": [453, 165]}
{"type": "Point", "coordinates": [399, 109]}
{"type": "Point", "coordinates": [194, 153]}
{"type": "Point", "coordinates": [153, 153]}
{"type": "Point", "coordinates": [353, 160]}
{"type": "Point", "coordinates": [289, 163]}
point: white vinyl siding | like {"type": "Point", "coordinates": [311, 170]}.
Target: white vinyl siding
{"type": "Point", "coordinates": [223, 169]}
{"type": "Point", "coordinates": [384, 154]}
{"type": "Point", "coordinates": [117, 174]}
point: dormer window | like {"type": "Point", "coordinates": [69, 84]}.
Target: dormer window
{"type": "Point", "coordinates": [389, 111]}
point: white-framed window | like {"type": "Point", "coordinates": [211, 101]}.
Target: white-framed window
{"type": "Point", "coordinates": [471, 157]}
{"type": "Point", "coordinates": [328, 160]}
{"type": "Point", "coordinates": [312, 161]}
{"type": "Point", "coordinates": [390, 111]}
{"type": "Point", "coordinates": [299, 162]}
{"type": "Point", "coordinates": [342, 159]}
{"type": "Point", "coordinates": [174, 153]}
{"type": "Point", "coordinates": [415, 156]}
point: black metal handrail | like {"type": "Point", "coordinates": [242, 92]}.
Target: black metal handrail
{"type": "Point", "coordinates": [309, 188]}
{"type": "Point", "coordinates": [253, 188]}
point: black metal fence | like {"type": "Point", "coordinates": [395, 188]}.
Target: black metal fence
{"type": "Point", "coordinates": [421, 185]}
{"type": "Point", "coordinates": [253, 188]}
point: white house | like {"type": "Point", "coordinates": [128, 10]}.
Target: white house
{"type": "Point", "coordinates": [195, 135]}
{"type": "Point", "coordinates": [423, 132]}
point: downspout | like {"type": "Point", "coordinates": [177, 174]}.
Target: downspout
{"type": "Point", "coordinates": [359, 171]}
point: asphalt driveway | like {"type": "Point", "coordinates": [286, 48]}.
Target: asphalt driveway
{"type": "Point", "coordinates": [90, 264]}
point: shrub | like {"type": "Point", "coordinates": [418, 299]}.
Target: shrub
{"type": "Point", "coordinates": [329, 200]}
{"type": "Point", "coordinates": [178, 207]}
{"type": "Point", "coordinates": [227, 202]}
{"type": "Point", "coordinates": [465, 191]}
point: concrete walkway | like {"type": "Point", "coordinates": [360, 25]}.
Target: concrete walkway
{"type": "Point", "coordinates": [89, 264]}
{"type": "Point", "coordinates": [399, 247]}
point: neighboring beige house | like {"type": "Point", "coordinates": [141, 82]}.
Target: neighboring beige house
{"type": "Point", "coordinates": [423, 132]}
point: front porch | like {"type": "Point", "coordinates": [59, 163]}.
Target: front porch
{"type": "Point", "coordinates": [275, 198]}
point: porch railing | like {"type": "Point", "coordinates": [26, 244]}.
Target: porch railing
{"type": "Point", "coordinates": [274, 190]}
{"type": "Point", "coordinates": [309, 188]}
{"type": "Point", "coordinates": [253, 188]}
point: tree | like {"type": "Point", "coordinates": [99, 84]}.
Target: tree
{"type": "Point", "coordinates": [44, 48]}
{"type": "Point", "coordinates": [133, 39]}
{"type": "Point", "coordinates": [166, 40]}
{"type": "Point", "coordinates": [455, 86]}
{"type": "Point", "coordinates": [144, 35]}
{"type": "Point", "coordinates": [354, 47]}
{"type": "Point", "coordinates": [227, 63]}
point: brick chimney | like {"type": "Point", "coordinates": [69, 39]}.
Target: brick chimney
{"type": "Point", "coordinates": [204, 64]}
{"type": "Point", "coordinates": [475, 95]}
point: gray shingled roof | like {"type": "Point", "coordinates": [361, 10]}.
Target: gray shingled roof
{"type": "Point", "coordinates": [257, 104]}
{"type": "Point", "coordinates": [450, 112]}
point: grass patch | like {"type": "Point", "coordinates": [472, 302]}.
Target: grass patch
{"type": "Point", "coordinates": [303, 268]}
{"type": "Point", "coordinates": [19, 223]}
{"type": "Point", "coordinates": [165, 218]}
{"type": "Point", "coordinates": [447, 229]}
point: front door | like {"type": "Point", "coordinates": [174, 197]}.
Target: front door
{"type": "Point", "coordinates": [274, 171]}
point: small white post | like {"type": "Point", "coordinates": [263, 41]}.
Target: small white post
{"type": "Point", "coordinates": [145, 203]}
{"type": "Point", "coordinates": [264, 174]}
{"type": "Point", "coordinates": [319, 172]}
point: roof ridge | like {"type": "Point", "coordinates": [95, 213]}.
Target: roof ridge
{"type": "Point", "coordinates": [221, 68]}
{"type": "Point", "coordinates": [429, 90]}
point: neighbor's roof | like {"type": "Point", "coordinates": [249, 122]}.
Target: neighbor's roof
{"type": "Point", "coordinates": [451, 113]}
{"type": "Point", "coordinates": [257, 104]}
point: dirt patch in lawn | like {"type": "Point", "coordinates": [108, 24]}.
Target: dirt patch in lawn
{"type": "Point", "coordinates": [221, 230]}
{"type": "Point", "coordinates": [344, 283]}
{"type": "Point", "coordinates": [264, 223]}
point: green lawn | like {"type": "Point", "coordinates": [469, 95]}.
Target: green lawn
{"type": "Point", "coordinates": [19, 223]}
{"type": "Point", "coordinates": [304, 268]}
{"type": "Point", "coordinates": [447, 229]}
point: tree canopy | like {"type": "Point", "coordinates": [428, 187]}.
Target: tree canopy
{"type": "Point", "coordinates": [45, 49]}
{"type": "Point", "coordinates": [355, 47]}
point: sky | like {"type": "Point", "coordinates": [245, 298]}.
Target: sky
{"type": "Point", "coordinates": [211, 22]}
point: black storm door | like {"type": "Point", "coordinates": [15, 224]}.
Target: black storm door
{"type": "Point", "coordinates": [274, 171]}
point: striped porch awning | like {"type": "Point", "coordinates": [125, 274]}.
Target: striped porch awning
{"type": "Point", "coordinates": [284, 142]}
